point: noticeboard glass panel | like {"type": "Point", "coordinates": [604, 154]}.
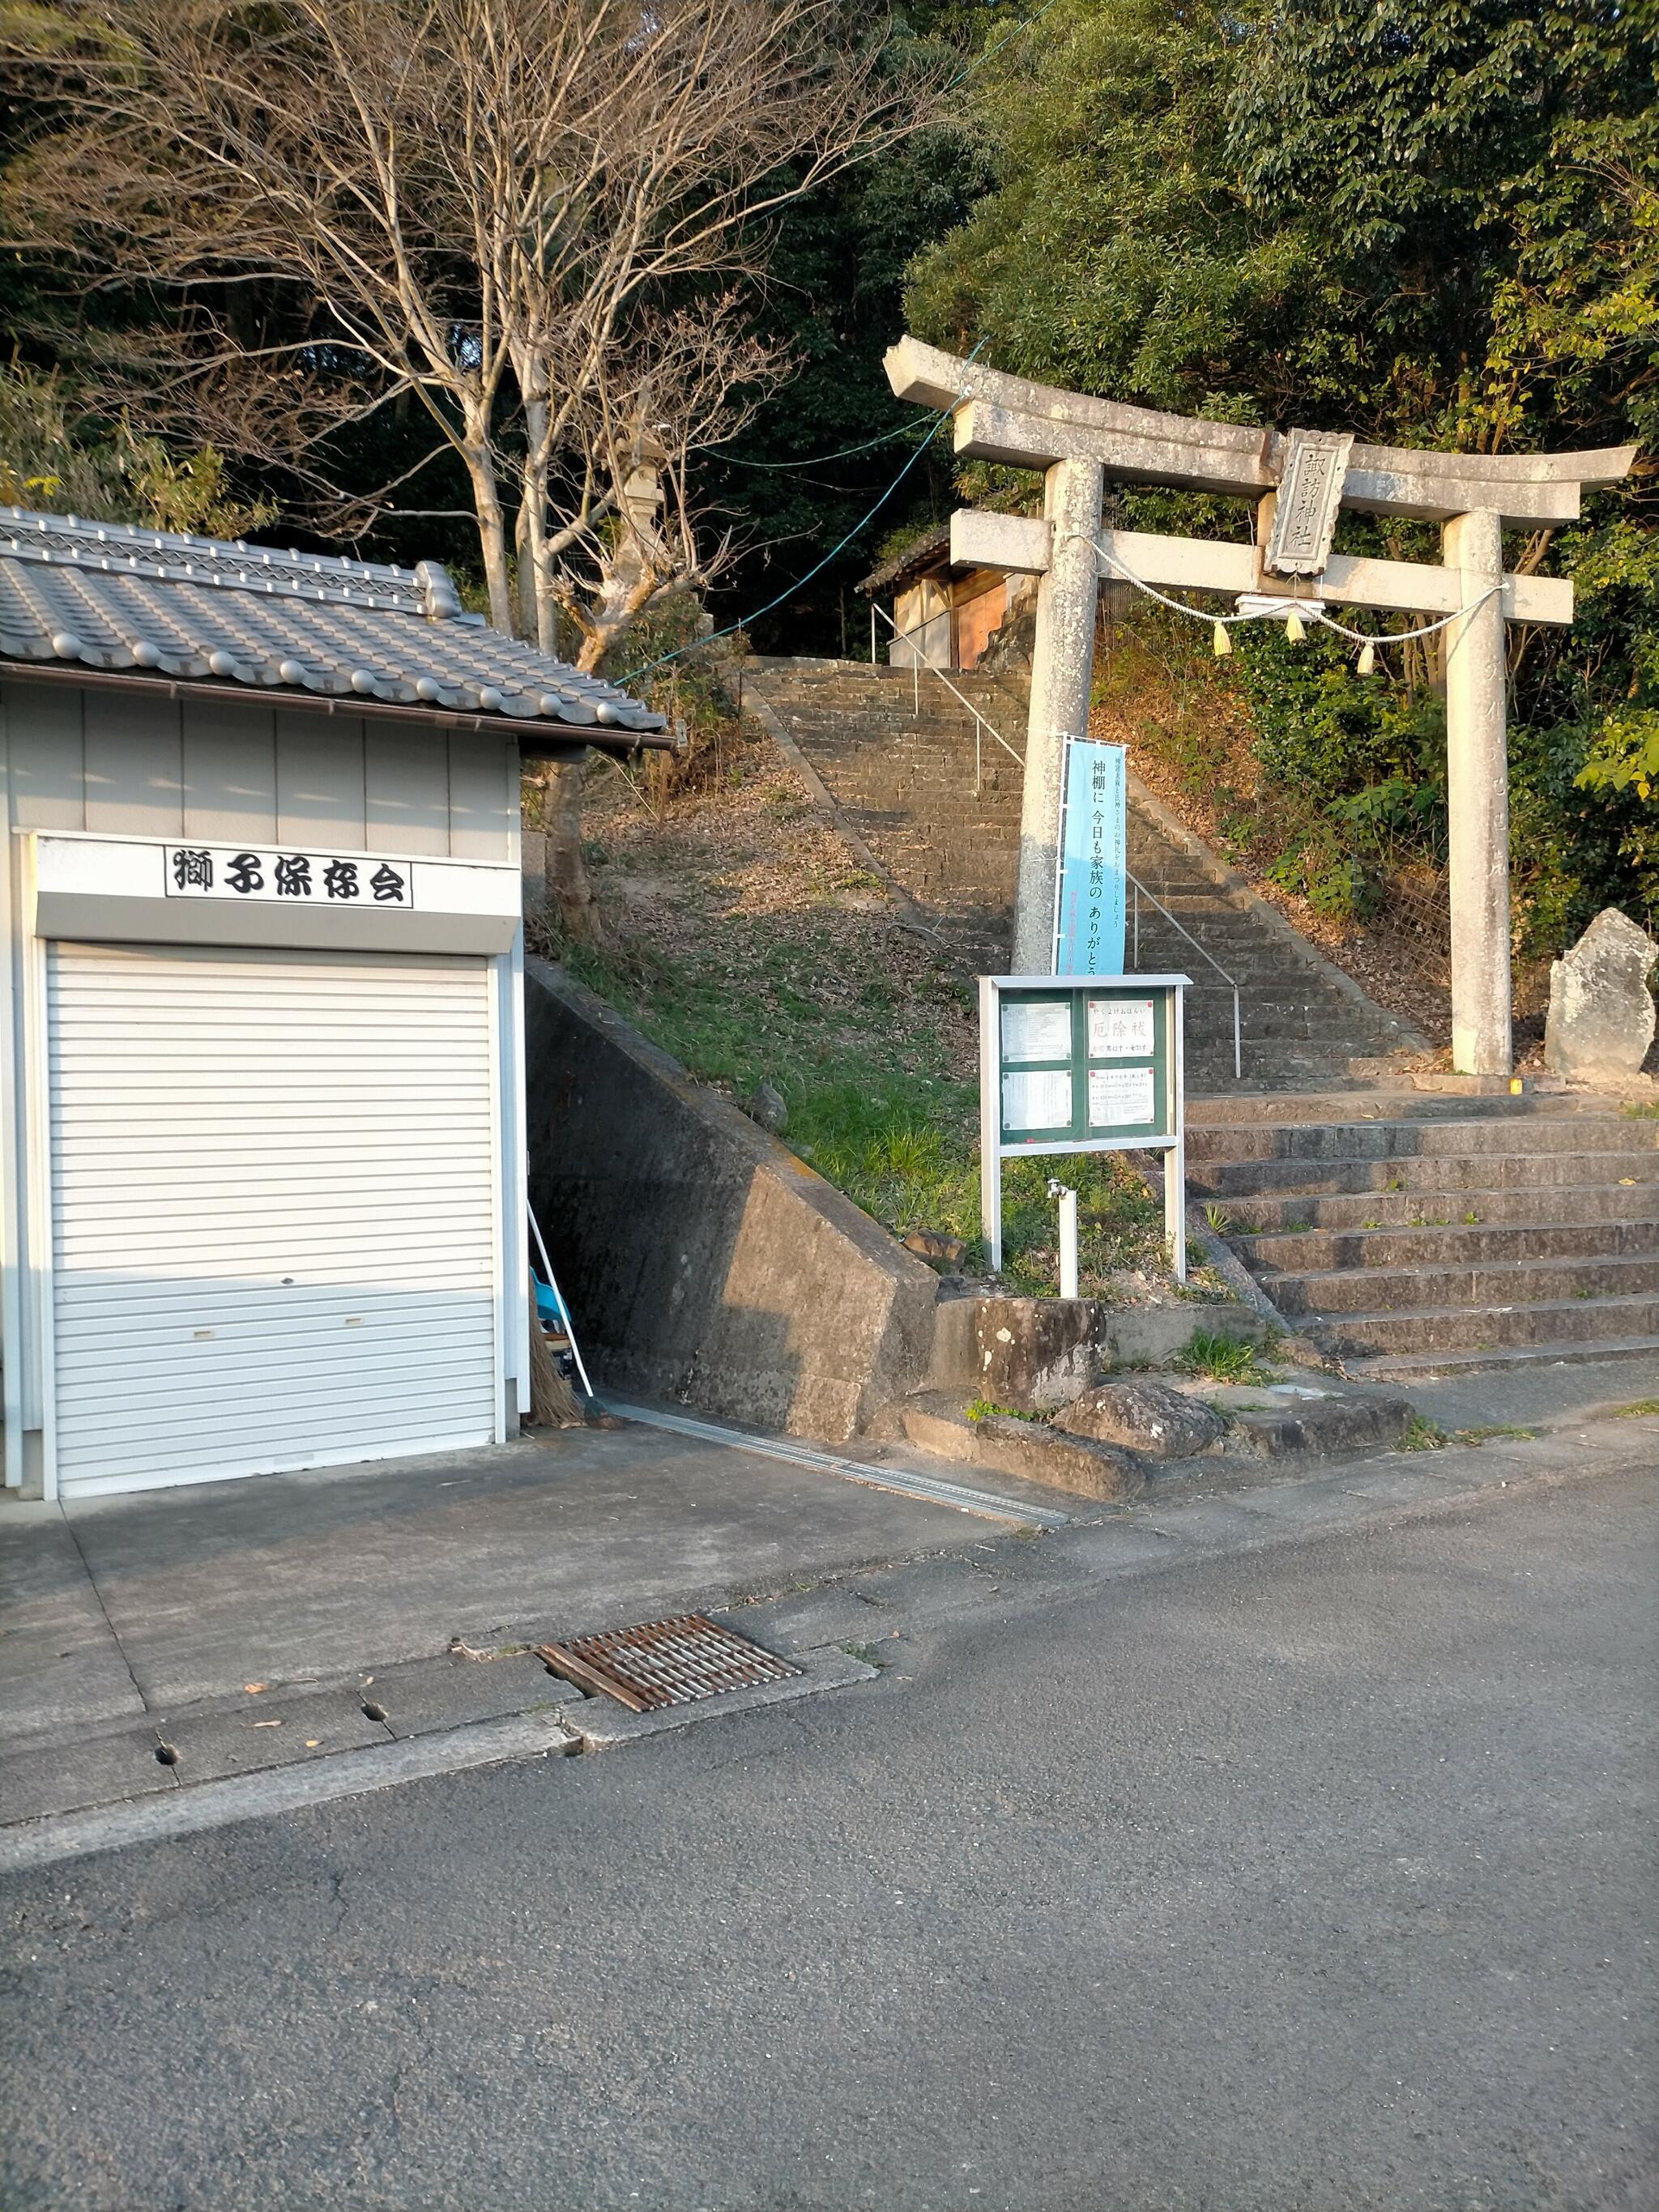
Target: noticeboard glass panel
{"type": "Point", "coordinates": [1088, 1064]}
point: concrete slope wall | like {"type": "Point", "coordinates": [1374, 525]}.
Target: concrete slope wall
{"type": "Point", "coordinates": [705, 1264]}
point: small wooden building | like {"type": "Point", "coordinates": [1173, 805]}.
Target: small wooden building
{"type": "Point", "coordinates": [262, 1161]}
{"type": "Point", "coordinates": [944, 616]}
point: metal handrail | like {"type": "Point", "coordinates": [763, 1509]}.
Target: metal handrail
{"type": "Point", "coordinates": [1142, 891]}
{"type": "Point", "coordinates": [1138, 888]}
{"type": "Point", "coordinates": [981, 722]}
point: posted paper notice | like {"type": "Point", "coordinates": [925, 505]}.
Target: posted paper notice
{"type": "Point", "coordinates": [1121, 1029]}
{"type": "Point", "coordinates": [1042, 1100]}
{"type": "Point", "coordinates": [1036, 1029]}
{"type": "Point", "coordinates": [1122, 1097]}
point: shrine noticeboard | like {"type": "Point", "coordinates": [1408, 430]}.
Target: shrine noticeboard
{"type": "Point", "coordinates": [1081, 1064]}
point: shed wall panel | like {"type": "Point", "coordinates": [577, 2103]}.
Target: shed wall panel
{"type": "Point", "coordinates": [46, 741]}
{"type": "Point", "coordinates": [135, 764]}
{"type": "Point", "coordinates": [406, 788]}
{"type": "Point", "coordinates": [481, 822]}
{"type": "Point", "coordinates": [319, 781]}
{"type": "Point", "coordinates": [230, 770]}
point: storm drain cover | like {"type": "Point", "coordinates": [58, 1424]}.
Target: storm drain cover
{"type": "Point", "coordinates": [665, 1662]}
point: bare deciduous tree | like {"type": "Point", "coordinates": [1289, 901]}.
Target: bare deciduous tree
{"type": "Point", "coordinates": [624, 529]}
{"type": "Point", "coordinates": [528, 214]}
{"type": "Point", "coordinates": [487, 204]}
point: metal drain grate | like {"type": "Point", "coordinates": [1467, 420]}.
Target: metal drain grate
{"type": "Point", "coordinates": [665, 1662]}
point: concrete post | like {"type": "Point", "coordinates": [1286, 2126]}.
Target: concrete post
{"type": "Point", "coordinates": [1477, 802]}
{"type": "Point", "coordinates": [1062, 672]}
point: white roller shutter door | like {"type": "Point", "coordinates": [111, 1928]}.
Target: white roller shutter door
{"type": "Point", "coordinates": [273, 1210]}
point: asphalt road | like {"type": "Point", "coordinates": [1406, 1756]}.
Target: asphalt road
{"type": "Point", "coordinates": [1315, 1879]}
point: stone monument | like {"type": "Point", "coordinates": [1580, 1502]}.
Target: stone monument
{"type": "Point", "coordinates": [1601, 1014]}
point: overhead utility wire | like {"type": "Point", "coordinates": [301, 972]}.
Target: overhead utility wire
{"type": "Point", "coordinates": [903, 430]}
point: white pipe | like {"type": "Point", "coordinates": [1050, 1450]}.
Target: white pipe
{"type": "Point", "coordinates": [1067, 1239]}
{"type": "Point", "coordinates": [553, 1285]}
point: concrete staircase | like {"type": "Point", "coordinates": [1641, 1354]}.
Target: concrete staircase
{"type": "Point", "coordinates": [896, 754]}
{"type": "Point", "coordinates": [1414, 1235]}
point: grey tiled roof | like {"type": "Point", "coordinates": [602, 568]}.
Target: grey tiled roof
{"type": "Point", "coordinates": [113, 597]}
{"type": "Point", "coordinates": [929, 553]}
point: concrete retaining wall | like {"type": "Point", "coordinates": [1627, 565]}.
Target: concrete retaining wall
{"type": "Point", "coordinates": [704, 1263]}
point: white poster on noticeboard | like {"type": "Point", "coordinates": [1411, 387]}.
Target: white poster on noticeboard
{"type": "Point", "coordinates": [1121, 1029]}
{"type": "Point", "coordinates": [1040, 1100]}
{"type": "Point", "coordinates": [1036, 1029]}
{"type": "Point", "coordinates": [1122, 1097]}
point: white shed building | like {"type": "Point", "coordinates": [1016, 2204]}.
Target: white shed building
{"type": "Point", "coordinates": [262, 1171]}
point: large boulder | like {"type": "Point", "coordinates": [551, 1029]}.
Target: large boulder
{"type": "Point", "coordinates": [1601, 1014]}
{"type": "Point", "coordinates": [1146, 1417]}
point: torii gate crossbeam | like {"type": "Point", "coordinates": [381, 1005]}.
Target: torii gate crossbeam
{"type": "Point", "coordinates": [1081, 443]}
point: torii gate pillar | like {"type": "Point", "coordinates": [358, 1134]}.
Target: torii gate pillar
{"type": "Point", "coordinates": [1477, 801]}
{"type": "Point", "coordinates": [1062, 676]}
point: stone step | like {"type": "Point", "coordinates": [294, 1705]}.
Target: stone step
{"type": "Point", "coordinates": [1432, 1173]}
{"type": "Point", "coordinates": [1441, 1242]}
{"type": "Point", "coordinates": [1547, 1205]}
{"type": "Point", "coordinates": [1416, 1139]}
{"type": "Point", "coordinates": [1391, 1105]}
{"type": "Point", "coordinates": [1475, 1330]}
{"type": "Point", "coordinates": [1408, 1367]}
{"type": "Point", "coordinates": [1491, 1283]}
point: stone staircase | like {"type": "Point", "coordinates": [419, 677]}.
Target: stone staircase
{"type": "Point", "coordinates": [896, 754]}
{"type": "Point", "coordinates": [1412, 1235]}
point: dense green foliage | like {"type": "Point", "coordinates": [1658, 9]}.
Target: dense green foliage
{"type": "Point", "coordinates": [1433, 222]}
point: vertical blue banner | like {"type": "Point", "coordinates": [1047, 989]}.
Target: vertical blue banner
{"type": "Point", "coordinates": [1094, 860]}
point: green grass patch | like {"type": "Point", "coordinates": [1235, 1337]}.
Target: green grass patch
{"type": "Point", "coordinates": [1220, 1359]}
{"type": "Point", "coordinates": [874, 1103]}
{"type": "Point", "coordinates": [1485, 1436]}
{"type": "Point", "coordinates": [1636, 1409]}
{"type": "Point", "coordinates": [1647, 1110]}
{"type": "Point", "coordinates": [1424, 1435]}
{"type": "Point", "coordinates": [985, 1409]}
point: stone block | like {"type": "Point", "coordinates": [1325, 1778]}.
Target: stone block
{"type": "Point", "coordinates": [1146, 1417]}
{"type": "Point", "coordinates": [72, 1773]}
{"type": "Point", "coordinates": [1601, 1014]}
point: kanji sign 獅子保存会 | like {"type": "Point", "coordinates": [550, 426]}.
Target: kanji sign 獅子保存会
{"type": "Point", "coordinates": [227, 871]}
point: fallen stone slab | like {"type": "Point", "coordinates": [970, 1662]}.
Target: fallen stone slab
{"type": "Point", "coordinates": [1312, 1415]}
{"type": "Point", "coordinates": [1034, 1450]}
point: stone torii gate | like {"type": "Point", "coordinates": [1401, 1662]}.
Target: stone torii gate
{"type": "Point", "coordinates": [1299, 481]}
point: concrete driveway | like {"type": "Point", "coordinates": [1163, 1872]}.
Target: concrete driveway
{"type": "Point", "coordinates": [113, 1607]}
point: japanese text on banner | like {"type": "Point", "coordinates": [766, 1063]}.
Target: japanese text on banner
{"type": "Point", "coordinates": [1094, 861]}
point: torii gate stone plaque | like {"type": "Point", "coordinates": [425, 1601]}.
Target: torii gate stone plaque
{"type": "Point", "coordinates": [1300, 482]}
